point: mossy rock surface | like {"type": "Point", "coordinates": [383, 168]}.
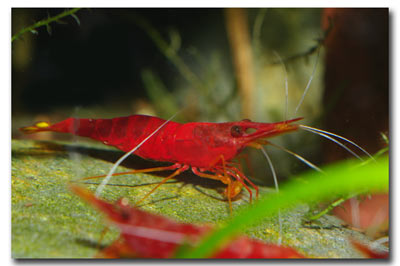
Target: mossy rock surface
{"type": "Point", "coordinates": [49, 221]}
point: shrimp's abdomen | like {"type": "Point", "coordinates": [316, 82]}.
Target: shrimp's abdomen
{"type": "Point", "coordinates": [124, 133]}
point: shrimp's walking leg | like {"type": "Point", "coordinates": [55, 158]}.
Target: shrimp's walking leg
{"type": "Point", "coordinates": [234, 169]}
{"type": "Point", "coordinates": [224, 179]}
{"type": "Point", "coordinates": [237, 185]}
{"type": "Point", "coordinates": [245, 157]}
{"type": "Point", "coordinates": [155, 169]}
{"type": "Point", "coordinates": [177, 172]}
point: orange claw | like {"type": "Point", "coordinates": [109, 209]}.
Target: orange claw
{"type": "Point", "coordinates": [235, 189]}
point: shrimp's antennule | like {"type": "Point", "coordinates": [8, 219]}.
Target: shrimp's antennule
{"type": "Point", "coordinates": [307, 162]}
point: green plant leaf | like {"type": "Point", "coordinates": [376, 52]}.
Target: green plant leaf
{"type": "Point", "coordinates": [342, 178]}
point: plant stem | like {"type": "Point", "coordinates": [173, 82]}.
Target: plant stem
{"type": "Point", "coordinates": [44, 22]}
{"type": "Point", "coordinates": [329, 208]}
{"type": "Point", "coordinates": [170, 53]}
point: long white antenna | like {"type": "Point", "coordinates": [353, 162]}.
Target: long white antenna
{"type": "Point", "coordinates": [152, 233]}
{"type": "Point", "coordinates": [324, 133]}
{"type": "Point", "coordinates": [120, 160]}
{"type": "Point", "coordinates": [286, 83]}
{"type": "Point", "coordinates": [309, 82]}
{"type": "Point", "coordinates": [310, 164]}
{"type": "Point", "coordinates": [277, 190]}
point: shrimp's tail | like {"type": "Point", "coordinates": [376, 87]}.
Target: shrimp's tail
{"type": "Point", "coordinates": [38, 127]}
{"type": "Point", "coordinates": [81, 127]}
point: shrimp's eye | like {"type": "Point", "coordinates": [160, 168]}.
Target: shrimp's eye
{"type": "Point", "coordinates": [236, 131]}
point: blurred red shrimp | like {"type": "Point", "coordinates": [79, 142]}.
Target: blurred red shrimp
{"type": "Point", "coordinates": [147, 235]}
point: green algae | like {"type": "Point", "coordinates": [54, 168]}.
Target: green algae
{"type": "Point", "coordinates": [49, 221]}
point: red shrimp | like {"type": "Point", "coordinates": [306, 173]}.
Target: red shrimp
{"type": "Point", "coordinates": [206, 148]}
{"type": "Point", "coordinates": [147, 235]}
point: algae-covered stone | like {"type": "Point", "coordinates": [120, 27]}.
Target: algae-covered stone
{"type": "Point", "coordinates": [48, 221]}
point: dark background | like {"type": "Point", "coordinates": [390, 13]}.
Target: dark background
{"type": "Point", "coordinates": [100, 60]}
{"type": "Point", "coordinates": [95, 68]}
{"type": "Point", "coordinates": [80, 65]}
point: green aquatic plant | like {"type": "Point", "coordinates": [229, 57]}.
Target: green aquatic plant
{"type": "Point", "coordinates": [46, 23]}
{"type": "Point", "coordinates": [346, 177]}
